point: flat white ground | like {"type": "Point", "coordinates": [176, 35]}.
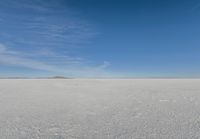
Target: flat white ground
{"type": "Point", "coordinates": [100, 109]}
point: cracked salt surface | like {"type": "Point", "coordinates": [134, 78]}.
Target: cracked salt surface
{"type": "Point", "coordinates": [100, 109]}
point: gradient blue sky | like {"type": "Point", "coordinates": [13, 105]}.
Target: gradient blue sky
{"type": "Point", "coordinates": [100, 38]}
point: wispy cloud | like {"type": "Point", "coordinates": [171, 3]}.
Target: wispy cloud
{"type": "Point", "coordinates": [36, 34]}
{"type": "Point", "coordinates": [47, 23]}
{"type": "Point", "coordinates": [64, 65]}
{"type": "Point", "coordinates": [196, 7]}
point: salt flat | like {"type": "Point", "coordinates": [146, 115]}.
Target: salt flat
{"type": "Point", "coordinates": [100, 109]}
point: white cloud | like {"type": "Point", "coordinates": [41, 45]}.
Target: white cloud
{"type": "Point", "coordinates": [48, 23]}
{"type": "Point", "coordinates": [2, 48]}
{"type": "Point", "coordinates": [104, 65]}
{"type": "Point", "coordinates": [71, 66]}
{"type": "Point", "coordinates": [42, 27]}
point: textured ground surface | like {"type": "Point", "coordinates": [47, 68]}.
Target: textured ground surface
{"type": "Point", "coordinates": [100, 109]}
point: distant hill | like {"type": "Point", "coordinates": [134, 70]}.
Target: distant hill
{"type": "Point", "coordinates": [59, 77]}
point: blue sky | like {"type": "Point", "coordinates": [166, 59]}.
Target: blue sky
{"type": "Point", "coordinates": [100, 38]}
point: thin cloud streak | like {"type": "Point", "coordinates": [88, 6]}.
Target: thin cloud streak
{"type": "Point", "coordinates": [72, 67]}
{"type": "Point", "coordinates": [196, 7]}
{"type": "Point", "coordinates": [48, 23]}
{"type": "Point", "coordinates": [38, 40]}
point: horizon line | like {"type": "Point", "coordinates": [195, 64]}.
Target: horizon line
{"type": "Point", "coordinates": [66, 77]}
